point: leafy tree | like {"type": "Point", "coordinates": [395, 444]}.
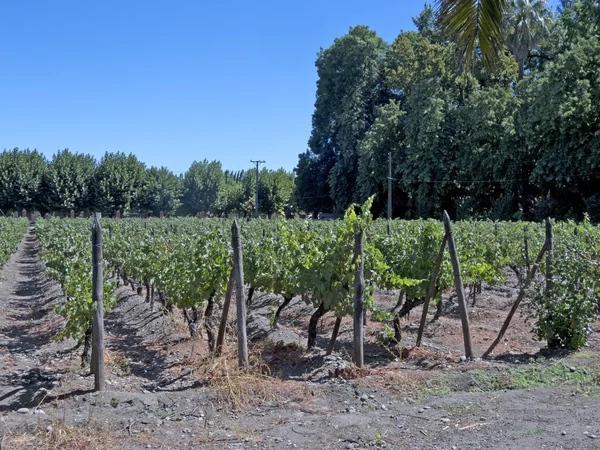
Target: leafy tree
{"type": "Point", "coordinates": [385, 136]}
{"type": "Point", "coordinates": [412, 58]}
{"type": "Point", "coordinates": [349, 87]}
{"type": "Point", "coordinates": [119, 183]}
{"type": "Point", "coordinates": [312, 188]}
{"type": "Point", "coordinates": [560, 125]}
{"type": "Point", "coordinates": [68, 181]}
{"type": "Point", "coordinates": [161, 192]}
{"type": "Point", "coordinates": [201, 185]}
{"type": "Point", "coordinates": [275, 191]}
{"type": "Point", "coordinates": [21, 175]}
{"type": "Point", "coordinates": [429, 169]}
{"type": "Point", "coordinates": [230, 198]}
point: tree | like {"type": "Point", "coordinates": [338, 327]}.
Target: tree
{"type": "Point", "coordinates": [275, 191]}
{"type": "Point", "coordinates": [312, 187]}
{"type": "Point", "coordinates": [560, 126]}
{"type": "Point", "coordinates": [230, 198]}
{"type": "Point", "coordinates": [348, 90]}
{"type": "Point", "coordinates": [385, 136]}
{"type": "Point", "coordinates": [161, 192]}
{"type": "Point", "coordinates": [21, 175]}
{"type": "Point", "coordinates": [68, 181]}
{"type": "Point", "coordinates": [467, 22]}
{"type": "Point", "coordinates": [525, 25]}
{"type": "Point", "coordinates": [118, 183]}
{"type": "Point", "coordinates": [201, 185]}
{"type": "Point", "coordinates": [412, 58]}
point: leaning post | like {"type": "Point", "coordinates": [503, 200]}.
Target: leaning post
{"type": "Point", "coordinates": [460, 290]}
{"type": "Point", "coordinates": [238, 267]}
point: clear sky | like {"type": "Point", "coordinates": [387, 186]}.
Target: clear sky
{"type": "Point", "coordinates": [173, 81]}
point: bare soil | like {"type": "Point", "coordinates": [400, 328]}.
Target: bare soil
{"type": "Point", "coordinates": [164, 391]}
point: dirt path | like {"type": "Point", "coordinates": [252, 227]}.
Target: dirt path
{"type": "Point", "coordinates": [27, 328]}
{"type": "Point", "coordinates": [153, 401]}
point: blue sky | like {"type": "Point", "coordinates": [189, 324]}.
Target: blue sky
{"type": "Point", "coordinates": [173, 81]}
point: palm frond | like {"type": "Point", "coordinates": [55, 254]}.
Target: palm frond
{"type": "Point", "coordinates": [467, 21]}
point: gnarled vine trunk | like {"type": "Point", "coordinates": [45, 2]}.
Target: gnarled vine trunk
{"type": "Point", "coordinates": [209, 322]}
{"type": "Point", "coordinates": [312, 325]}
{"type": "Point", "coordinates": [287, 298]}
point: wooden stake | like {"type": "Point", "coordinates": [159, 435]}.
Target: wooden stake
{"type": "Point", "coordinates": [238, 267]}
{"type": "Point", "coordinates": [526, 242]}
{"type": "Point", "coordinates": [458, 284]}
{"type": "Point", "coordinates": [549, 253]}
{"type": "Point", "coordinates": [97, 298]}
{"type": "Point", "coordinates": [359, 288]}
{"type": "Point", "coordinates": [431, 289]}
{"type": "Point", "coordinates": [222, 326]}
{"type": "Point", "coordinates": [520, 297]}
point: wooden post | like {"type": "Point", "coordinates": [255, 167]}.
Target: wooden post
{"type": "Point", "coordinates": [431, 290]}
{"type": "Point", "coordinates": [238, 267]}
{"type": "Point", "coordinates": [520, 297]}
{"type": "Point", "coordinates": [389, 209]}
{"type": "Point", "coordinates": [222, 326]}
{"type": "Point", "coordinates": [97, 298]}
{"type": "Point", "coordinates": [458, 284]}
{"type": "Point", "coordinates": [549, 253]}
{"type": "Point", "coordinates": [526, 243]}
{"type": "Point", "coordinates": [359, 288]}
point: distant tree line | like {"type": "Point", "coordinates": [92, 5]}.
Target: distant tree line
{"type": "Point", "coordinates": [120, 182]}
{"type": "Point", "coordinates": [517, 140]}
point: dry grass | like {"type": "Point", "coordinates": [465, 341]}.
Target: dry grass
{"type": "Point", "coordinates": [237, 388]}
{"type": "Point", "coordinates": [116, 360]}
{"type": "Point", "coordinates": [59, 435]}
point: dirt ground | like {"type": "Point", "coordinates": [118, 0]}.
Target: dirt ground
{"type": "Point", "coordinates": [165, 392]}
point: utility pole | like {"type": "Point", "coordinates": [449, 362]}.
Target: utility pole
{"type": "Point", "coordinates": [389, 185]}
{"type": "Point", "coordinates": [256, 199]}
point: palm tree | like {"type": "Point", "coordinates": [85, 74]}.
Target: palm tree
{"type": "Point", "coordinates": [525, 25]}
{"type": "Point", "coordinates": [466, 21]}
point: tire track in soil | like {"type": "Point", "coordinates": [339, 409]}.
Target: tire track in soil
{"type": "Point", "coordinates": [27, 327]}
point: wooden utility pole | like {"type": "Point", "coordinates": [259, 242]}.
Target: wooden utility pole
{"type": "Point", "coordinates": [359, 288]}
{"type": "Point", "coordinates": [458, 284]}
{"type": "Point", "coordinates": [97, 299]}
{"type": "Point", "coordinates": [238, 267]}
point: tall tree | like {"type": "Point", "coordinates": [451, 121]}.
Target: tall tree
{"type": "Point", "coordinates": [118, 183]}
{"type": "Point", "coordinates": [525, 26]}
{"type": "Point", "coordinates": [348, 90]}
{"type": "Point", "coordinates": [68, 181]}
{"type": "Point", "coordinates": [201, 185]}
{"type": "Point", "coordinates": [21, 175]}
{"type": "Point", "coordinates": [312, 187]}
{"type": "Point", "coordinates": [161, 192]}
